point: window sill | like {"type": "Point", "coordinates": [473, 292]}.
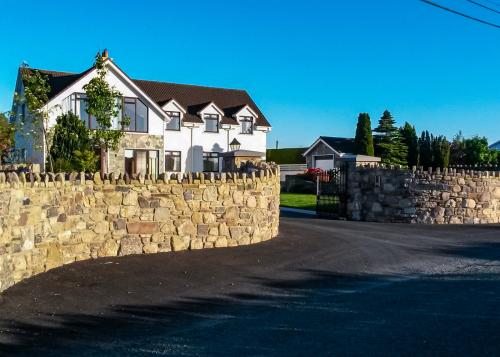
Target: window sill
{"type": "Point", "coordinates": [135, 131]}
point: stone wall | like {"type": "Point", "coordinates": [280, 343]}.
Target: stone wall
{"type": "Point", "coordinates": [138, 142]}
{"type": "Point", "coordinates": [418, 196]}
{"type": "Point", "coordinates": [50, 220]}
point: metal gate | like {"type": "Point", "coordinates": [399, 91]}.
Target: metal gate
{"type": "Point", "coordinates": [331, 193]}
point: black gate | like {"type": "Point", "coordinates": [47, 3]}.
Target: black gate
{"type": "Point", "coordinates": [331, 196]}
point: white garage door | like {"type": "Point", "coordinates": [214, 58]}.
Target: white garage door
{"type": "Point", "coordinates": [324, 162]}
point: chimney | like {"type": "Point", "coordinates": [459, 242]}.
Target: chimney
{"type": "Point", "coordinates": [105, 53]}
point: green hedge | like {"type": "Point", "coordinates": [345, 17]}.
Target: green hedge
{"type": "Point", "coordinates": [286, 156]}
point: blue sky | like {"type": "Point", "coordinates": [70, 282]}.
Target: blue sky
{"type": "Point", "coordinates": [311, 66]}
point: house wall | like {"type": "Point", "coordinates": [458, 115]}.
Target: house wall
{"type": "Point", "coordinates": [319, 149]}
{"type": "Point", "coordinates": [131, 140]}
{"type": "Point", "coordinates": [33, 146]}
{"type": "Point", "coordinates": [52, 221]}
{"type": "Point", "coordinates": [172, 140]}
{"type": "Point", "coordinates": [136, 141]}
{"type": "Point", "coordinates": [209, 142]}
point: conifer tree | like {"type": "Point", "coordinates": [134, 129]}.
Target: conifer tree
{"type": "Point", "coordinates": [425, 149]}
{"type": "Point", "coordinates": [440, 151]}
{"type": "Point", "coordinates": [411, 140]}
{"type": "Point", "coordinates": [363, 142]}
{"type": "Point", "coordinates": [389, 143]}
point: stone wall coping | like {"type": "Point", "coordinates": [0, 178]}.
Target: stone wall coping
{"type": "Point", "coordinates": [16, 180]}
{"type": "Point", "coordinates": [454, 172]}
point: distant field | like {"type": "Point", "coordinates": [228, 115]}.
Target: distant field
{"type": "Point", "coordinates": [299, 200]}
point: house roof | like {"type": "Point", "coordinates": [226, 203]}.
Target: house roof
{"type": "Point", "coordinates": [191, 97]}
{"type": "Point", "coordinates": [58, 81]}
{"type": "Point", "coordinates": [243, 153]}
{"type": "Point", "coordinates": [360, 158]}
{"type": "Point", "coordinates": [495, 145]}
{"type": "Point", "coordinates": [342, 145]}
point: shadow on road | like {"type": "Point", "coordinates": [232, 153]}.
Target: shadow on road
{"type": "Point", "coordinates": [321, 313]}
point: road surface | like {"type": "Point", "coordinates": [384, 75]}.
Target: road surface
{"type": "Point", "coordinates": [321, 288]}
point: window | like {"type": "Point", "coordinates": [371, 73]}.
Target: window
{"type": "Point", "coordinates": [246, 125]}
{"type": "Point", "coordinates": [212, 123]}
{"type": "Point", "coordinates": [80, 102]}
{"type": "Point", "coordinates": [137, 112]}
{"type": "Point", "coordinates": [210, 161]}
{"type": "Point", "coordinates": [173, 161]}
{"type": "Point", "coordinates": [77, 103]}
{"type": "Point", "coordinates": [175, 121]}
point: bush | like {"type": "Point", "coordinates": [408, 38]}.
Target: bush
{"type": "Point", "coordinates": [297, 184]}
{"type": "Point", "coordinates": [63, 165]}
{"type": "Point", "coordinates": [311, 174]}
{"type": "Point", "coordinates": [85, 161]}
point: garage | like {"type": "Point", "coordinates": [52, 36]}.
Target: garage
{"type": "Point", "coordinates": [323, 162]}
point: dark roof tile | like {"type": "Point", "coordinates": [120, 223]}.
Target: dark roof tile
{"type": "Point", "coordinates": [342, 145]}
{"type": "Point", "coordinates": [195, 98]}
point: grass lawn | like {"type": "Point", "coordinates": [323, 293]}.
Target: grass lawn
{"type": "Point", "coordinates": [299, 200]}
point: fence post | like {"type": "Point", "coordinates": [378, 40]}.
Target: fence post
{"type": "Point", "coordinates": [317, 185]}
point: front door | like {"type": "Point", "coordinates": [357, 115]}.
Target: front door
{"type": "Point", "coordinates": [143, 162]}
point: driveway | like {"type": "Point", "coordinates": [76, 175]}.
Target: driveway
{"type": "Point", "coordinates": [322, 287]}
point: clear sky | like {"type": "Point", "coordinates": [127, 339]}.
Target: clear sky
{"type": "Point", "coordinates": [311, 66]}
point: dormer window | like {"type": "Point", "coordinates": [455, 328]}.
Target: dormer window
{"type": "Point", "coordinates": [175, 121]}
{"type": "Point", "coordinates": [246, 125]}
{"type": "Point", "coordinates": [211, 123]}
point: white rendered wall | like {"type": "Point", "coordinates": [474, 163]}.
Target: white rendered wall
{"type": "Point", "coordinates": [208, 142]}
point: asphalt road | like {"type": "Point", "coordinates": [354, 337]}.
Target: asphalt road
{"type": "Point", "coordinates": [321, 288]}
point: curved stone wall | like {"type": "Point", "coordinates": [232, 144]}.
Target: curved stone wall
{"type": "Point", "coordinates": [48, 221]}
{"type": "Point", "coordinates": [442, 196]}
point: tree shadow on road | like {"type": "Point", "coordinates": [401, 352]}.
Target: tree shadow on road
{"type": "Point", "coordinates": [320, 313]}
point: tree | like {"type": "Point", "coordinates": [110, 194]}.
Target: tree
{"type": "Point", "coordinates": [72, 146]}
{"type": "Point", "coordinates": [35, 97]}
{"type": "Point", "coordinates": [6, 135]}
{"type": "Point", "coordinates": [440, 151]}
{"type": "Point", "coordinates": [477, 151]}
{"type": "Point", "coordinates": [410, 138]}
{"type": "Point", "coordinates": [389, 143]}
{"type": "Point", "coordinates": [103, 102]}
{"type": "Point", "coordinates": [425, 145]}
{"type": "Point", "coordinates": [457, 149]}
{"type": "Point", "coordinates": [85, 160]}
{"type": "Point", "coordinates": [363, 142]}
{"type": "Point", "coordinates": [495, 157]}
{"type": "Point", "coordinates": [70, 134]}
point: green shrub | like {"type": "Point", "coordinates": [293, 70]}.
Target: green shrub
{"type": "Point", "coordinates": [85, 160]}
{"type": "Point", "coordinates": [63, 165]}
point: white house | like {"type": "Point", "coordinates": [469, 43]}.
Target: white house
{"type": "Point", "coordinates": [174, 127]}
